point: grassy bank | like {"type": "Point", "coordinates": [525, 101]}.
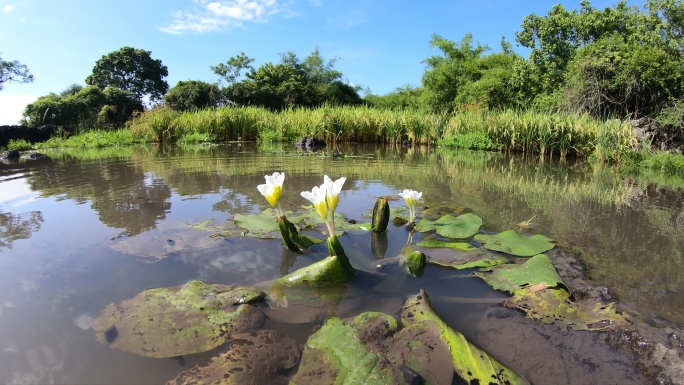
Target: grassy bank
{"type": "Point", "coordinates": [530, 132]}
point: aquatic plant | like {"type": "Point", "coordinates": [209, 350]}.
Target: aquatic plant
{"type": "Point", "coordinates": [272, 190]}
{"type": "Point", "coordinates": [411, 197]}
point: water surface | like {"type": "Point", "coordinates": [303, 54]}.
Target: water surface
{"type": "Point", "coordinates": [83, 229]}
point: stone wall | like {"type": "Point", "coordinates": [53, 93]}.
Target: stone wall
{"type": "Point", "coordinates": [33, 135]}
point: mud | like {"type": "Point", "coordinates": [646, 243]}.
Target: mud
{"type": "Point", "coordinates": [640, 353]}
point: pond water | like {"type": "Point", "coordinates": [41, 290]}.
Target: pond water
{"type": "Point", "coordinates": [80, 230]}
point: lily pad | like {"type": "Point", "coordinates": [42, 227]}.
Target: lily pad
{"type": "Point", "coordinates": [179, 320]}
{"type": "Point", "coordinates": [511, 242]}
{"type": "Point", "coordinates": [261, 357]}
{"type": "Point", "coordinates": [336, 353]}
{"type": "Point", "coordinates": [262, 225]}
{"type": "Point", "coordinates": [537, 272]}
{"type": "Point", "coordinates": [460, 227]}
{"type": "Point", "coordinates": [470, 362]}
{"type": "Point", "coordinates": [437, 244]}
{"type": "Point", "coordinates": [468, 260]}
{"type": "Point", "coordinates": [554, 305]}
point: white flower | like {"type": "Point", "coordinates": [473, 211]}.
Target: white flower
{"type": "Point", "coordinates": [333, 191]}
{"type": "Point", "coordinates": [317, 197]}
{"type": "Point", "coordinates": [411, 197]}
{"type": "Point", "coordinates": [273, 189]}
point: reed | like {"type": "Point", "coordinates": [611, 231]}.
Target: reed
{"type": "Point", "coordinates": [511, 130]}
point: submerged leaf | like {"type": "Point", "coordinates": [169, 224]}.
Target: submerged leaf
{"type": "Point", "coordinates": [511, 242]}
{"type": "Point", "coordinates": [471, 363]}
{"type": "Point", "coordinates": [460, 227]}
{"type": "Point", "coordinates": [179, 320]}
{"type": "Point", "coordinates": [552, 305]}
{"type": "Point", "coordinates": [537, 271]}
{"type": "Point", "coordinates": [436, 244]}
{"type": "Point", "coordinates": [227, 229]}
{"type": "Point", "coordinates": [468, 260]}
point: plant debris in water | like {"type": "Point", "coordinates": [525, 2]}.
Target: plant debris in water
{"type": "Point", "coordinates": [540, 292]}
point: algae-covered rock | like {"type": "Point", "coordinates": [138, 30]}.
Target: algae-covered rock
{"type": "Point", "coordinates": [262, 357]}
{"type": "Point", "coordinates": [511, 242]}
{"type": "Point", "coordinates": [336, 353]}
{"type": "Point", "coordinates": [179, 320]}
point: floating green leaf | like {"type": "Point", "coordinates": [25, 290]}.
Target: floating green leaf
{"type": "Point", "coordinates": [179, 320]}
{"type": "Point", "coordinates": [511, 242]}
{"type": "Point", "coordinates": [552, 305]}
{"type": "Point", "coordinates": [436, 244]}
{"type": "Point", "coordinates": [460, 227]}
{"type": "Point", "coordinates": [262, 225]}
{"type": "Point", "coordinates": [468, 260]}
{"type": "Point", "coordinates": [538, 271]}
{"type": "Point", "coordinates": [471, 363]}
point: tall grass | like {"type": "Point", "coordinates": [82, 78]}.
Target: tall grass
{"type": "Point", "coordinates": [510, 130]}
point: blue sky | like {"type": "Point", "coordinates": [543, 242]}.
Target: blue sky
{"type": "Point", "coordinates": [381, 44]}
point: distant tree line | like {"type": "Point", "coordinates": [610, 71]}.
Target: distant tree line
{"type": "Point", "coordinates": [622, 61]}
{"type": "Point", "coordinates": [618, 62]}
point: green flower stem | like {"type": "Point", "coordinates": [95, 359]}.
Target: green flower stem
{"type": "Point", "coordinates": [335, 249]}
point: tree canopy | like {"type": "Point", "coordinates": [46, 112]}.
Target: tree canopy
{"type": "Point", "coordinates": [132, 70]}
{"type": "Point", "coordinates": [84, 106]}
{"type": "Point", "coordinates": [13, 71]}
{"type": "Point", "coordinates": [290, 83]}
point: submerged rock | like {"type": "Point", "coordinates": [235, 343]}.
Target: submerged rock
{"type": "Point", "coordinates": [261, 357]}
{"type": "Point", "coordinates": [179, 320]}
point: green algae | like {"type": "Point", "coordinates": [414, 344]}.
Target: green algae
{"type": "Point", "coordinates": [179, 320]}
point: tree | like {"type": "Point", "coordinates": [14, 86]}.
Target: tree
{"type": "Point", "coordinates": [232, 69]}
{"type": "Point", "coordinates": [13, 71]}
{"type": "Point", "coordinates": [192, 95]}
{"type": "Point", "coordinates": [463, 75]}
{"type": "Point", "coordinates": [614, 77]}
{"type": "Point", "coordinates": [292, 82]}
{"type": "Point", "coordinates": [131, 70]}
{"type": "Point", "coordinates": [83, 106]}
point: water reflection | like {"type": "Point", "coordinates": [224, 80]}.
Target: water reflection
{"type": "Point", "coordinates": [90, 228]}
{"type": "Point", "coordinates": [18, 226]}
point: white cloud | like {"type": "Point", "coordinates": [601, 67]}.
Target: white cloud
{"type": "Point", "coordinates": [210, 16]}
{"type": "Point", "coordinates": [12, 107]}
{"type": "Point", "coordinates": [8, 8]}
